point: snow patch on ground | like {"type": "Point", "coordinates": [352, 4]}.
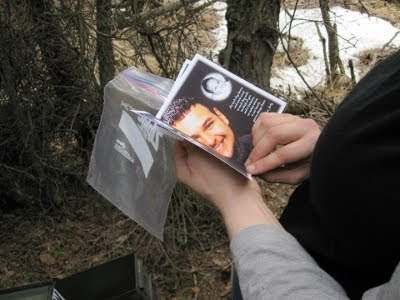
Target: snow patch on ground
{"type": "Point", "coordinates": [357, 32]}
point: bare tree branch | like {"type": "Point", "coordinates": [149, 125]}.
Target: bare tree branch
{"type": "Point", "coordinates": [327, 109]}
{"type": "Point", "coordinates": [291, 21]}
{"type": "Point", "coordinates": [174, 6]}
{"type": "Point", "coordinates": [323, 41]}
{"type": "Point", "coordinates": [391, 40]}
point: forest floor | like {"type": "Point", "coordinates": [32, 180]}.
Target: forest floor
{"type": "Point", "coordinates": [193, 262]}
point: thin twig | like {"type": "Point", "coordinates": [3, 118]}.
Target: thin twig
{"type": "Point", "coordinates": [323, 41]}
{"type": "Point", "coordinates": [290, 24]}
{"type": "Point", "coordinates": [391, 40]}
{"type": "Point", "coordinates": [174, 6]}
{"type": "Point", "coordinates": [327, 109]}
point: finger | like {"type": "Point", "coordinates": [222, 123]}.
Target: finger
{"type": "Point", "coordinates": [279, 135]}
{"type": "Point", "coordinates": [271, 116]}
{"type": "Point", "coordinates": [268, 120]}
{"type": "Point", "coordinates": [288, 175]}
{"type": "Point", "coordinates": [264, 147]}
{"type": "Point", "coordinates": [287, 154]}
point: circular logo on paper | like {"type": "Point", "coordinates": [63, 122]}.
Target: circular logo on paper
{"type": "Point", "coordinates": [216, 87]}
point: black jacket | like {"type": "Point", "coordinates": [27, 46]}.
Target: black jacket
{"type": "Point", "coordinates": [347, 215]}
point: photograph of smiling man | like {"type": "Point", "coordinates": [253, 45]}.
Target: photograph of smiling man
{"type": "Point", "coordinates": [209, 126]}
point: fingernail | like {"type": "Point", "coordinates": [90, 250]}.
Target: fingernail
{"type": "Point", "coordinates": [250, 168]}
{"type": "Point", "coordinates": [247, 162]}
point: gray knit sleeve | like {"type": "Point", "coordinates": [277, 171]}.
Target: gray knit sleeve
{"type": "Point", "coordinates": [271, 264]}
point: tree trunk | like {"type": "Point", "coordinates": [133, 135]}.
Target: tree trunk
{"type": "Point", "coordinates": [252, 39]}
{"type": "Point", "coordinates": [104, 41]}
{"type": "Point", "coordinates": [335, 64]}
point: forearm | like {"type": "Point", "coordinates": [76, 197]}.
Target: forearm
{"type": "Point", "coordinates": [272, 265]}
{"type": "Point", "coordinates": [269, 261]}
{"type": "Point", "coordinates": [248, 209]}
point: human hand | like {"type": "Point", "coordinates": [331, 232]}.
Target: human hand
{"type": "Point", "coordinates": [283, 146]}
{"type": "Point", "coordinates": [238, 199]}
{"type": "Point", "coordinates": [209, 177]}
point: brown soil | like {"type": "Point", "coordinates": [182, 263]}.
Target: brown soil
{"type": "Point", "coordinates": [298, 53]}
{"type": "Point", "coordinates": [370, 57]}
{"type": "Point", "coordinates": [192, 263]}
{"type": "Point", "coordinates": [39, 245]}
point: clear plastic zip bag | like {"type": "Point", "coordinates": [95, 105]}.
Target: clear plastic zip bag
{"type": "Point", "coordinates": [132, 162]}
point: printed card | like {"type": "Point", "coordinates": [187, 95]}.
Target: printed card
{"type": "Point", "coordinates": [215, 109]}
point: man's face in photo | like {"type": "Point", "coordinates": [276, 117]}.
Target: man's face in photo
{"type": "Point", "coordinates": [216, 86]}
{"type": "Point", "coordinates": [209, 128]}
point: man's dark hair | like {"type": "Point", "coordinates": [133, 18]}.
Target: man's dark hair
{"type": "Point", "coordinates": [205, 81]}
{"type": "Point", "coordinates": [177, 110]}
{"type": "Point", "coordinates": [204, 84]}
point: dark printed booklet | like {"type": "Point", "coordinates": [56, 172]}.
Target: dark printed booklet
{"type": "Point", "coordinates": [215, 110]}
